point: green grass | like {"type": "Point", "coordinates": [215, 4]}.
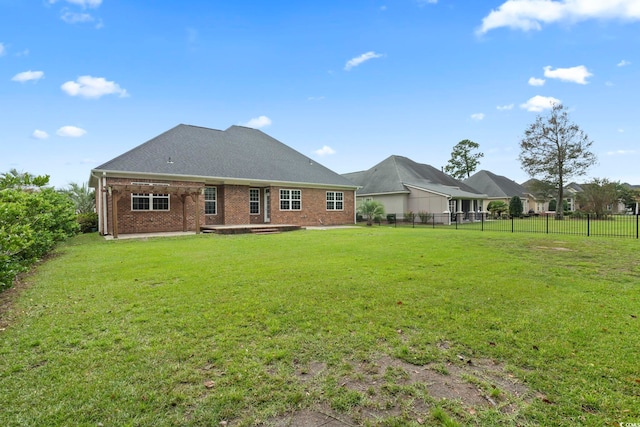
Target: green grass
{"type": "Point", "coordinates": [202, 329]}
{"type": "Point", "coordinates": [614, 225]}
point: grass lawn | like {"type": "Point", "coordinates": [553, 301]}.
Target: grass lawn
{"type": "Point", "coordinates": [366, 326]}
{"type": "Point", "coordinates": [614, 225]}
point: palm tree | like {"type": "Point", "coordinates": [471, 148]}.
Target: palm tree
{"type": "Point", "coordinates": [82, 196]}
{"type": "Point", "coordinates": [372, 209]}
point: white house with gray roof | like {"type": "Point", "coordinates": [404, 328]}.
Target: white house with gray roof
{"type": "Point", "coordinates": [403, 185]}
{"type": "Point", "coordinates": [190, 177]}
{"type": "Point", "coordinates": [500, 188]}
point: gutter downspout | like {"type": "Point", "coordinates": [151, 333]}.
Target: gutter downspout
{"type": "Point", "coordinates": [105, 230]}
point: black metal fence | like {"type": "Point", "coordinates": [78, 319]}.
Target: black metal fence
{"type": "Point", "coordinates": [577, 224]}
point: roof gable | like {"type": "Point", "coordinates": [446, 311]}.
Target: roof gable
{"type": "Point", "coordinates": [236, 153]}
{"type": "Point", "coordinates": [495, 185]}
{"type": "Point", "coordinates": [393, 174]}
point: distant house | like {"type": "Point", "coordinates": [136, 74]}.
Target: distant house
{"type": "Point", "coordinates": [403, 185]}
{"type": "Point", "coordinates": [192, 176]}
{"type": "Point", "coordinates": [572, 196]}
{"type": "Point", "coordinates": [576, 202]}
{"type": "Point", "coordinates": [503, 189]}
{"type": "Point", "coordinates": [540, 192]}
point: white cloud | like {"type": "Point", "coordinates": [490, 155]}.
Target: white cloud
{"type": "Point", "coordinates": [2, 49]}
{"type": "Point", "coordinates": [325, 151]}
{"type": "Point", "coordinates": [93, 87]}
{"type": "Point", "coordinates": [477, 116]}
{"type": "Point", "coordinates": [423, 2]}
{"type": "Point", "coordinates": [529, 15]}
{"type": "Point", "coordinates": [540, 103]}
{"type": "Point", "coordinates": [26, 76]}
{"type": "Point", "coordinates": [533, 81]}
{"type": "Point", "coordinates": [258, 122]}
{"type": "Point", "coordinates": [504, 107]}
{"type": "Point", "coordinates": [75, 18]}
{"type": "Point", "coordinates": [623, 63]}
{"type": "Point", "coordinates": [577, 74]}
{"type": "Point", "coordinates": [83, 3]}
{"type": "Point", "coordinates": [620, 152]}
{"type": "Point", "coordinates": [621, 130]}
{"type": "Point", "coordinates": [71, 131]}
{"type": "Point", "coordinates": [39, 134]}
{"type": "Point", "coordinates": [354, 62]}
{"type": "Point", "coordinates": [315, 98]}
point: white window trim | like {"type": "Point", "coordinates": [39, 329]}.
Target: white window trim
{"type": "Point", "coordinates": [290, 199]}
{"type": "Point", "coordinates": [335, 200]}
{"type": "Point", "coordinates": [256, 201]}
{"type": "Point", "coordinates": [151, 197]}
{"type": "Point", "coordinates": [215, 201]}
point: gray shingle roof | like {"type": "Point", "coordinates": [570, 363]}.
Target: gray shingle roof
{"type": "Point", "coordinates": [495, 185]}
{"type": "Point", "coordinates": [236, 153]}
{"type": "Point", "coordinates": [393, 174]}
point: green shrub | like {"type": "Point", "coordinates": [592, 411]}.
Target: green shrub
{"type": "Point", "coordinates": [425, 217]}
{"type": "Point", "coordinates": [409, 216]}
{"type": "Point", "coordinates": [515, 206]}
{"type": "Point", "coordinates": [31, 223]}
{"type": "Point", "coordinates": [497, 207]}
{"type": "Point", "coordinates": [88, 222]}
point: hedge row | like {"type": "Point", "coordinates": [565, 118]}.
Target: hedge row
{"type": "Point", "coordinates": [31, 223]}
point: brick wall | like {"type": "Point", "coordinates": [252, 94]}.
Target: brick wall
{"type": "Point", "coordinates": [314, 209]}
{"type": "Point", "coordinates": [130, 221]}
{"type": "Point", "coordinates": [232, 209]}
{"type": "Point", "coordinates": [236, 205]}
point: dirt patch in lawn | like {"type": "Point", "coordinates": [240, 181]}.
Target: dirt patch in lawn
{"type": "Point", "coordinates": [8, 297]}
{"type": "Point", "coordinates": [391, 389]}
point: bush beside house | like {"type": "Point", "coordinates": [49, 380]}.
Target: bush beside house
{"type": "Point", "coordinates": [32, 220]}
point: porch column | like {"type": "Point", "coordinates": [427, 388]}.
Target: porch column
{"type": "Point", "coordinates": [115, 195]}
{"type": "Point", "coordinates": [196, 199]}
{"type": "Point", "coordinates": [183, 197]}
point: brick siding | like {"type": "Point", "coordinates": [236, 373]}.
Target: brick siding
{"type": "Point", "coordinates": [232, 209]}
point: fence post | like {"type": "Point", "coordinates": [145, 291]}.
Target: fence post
{"type": "Point", "coordinates": [482, 221]}
{"type": "Point", "coordinates": [588, 225]}
{"type": "Point", "coordinates": [637, 216]}
{"type": "Point", "coordinates": [512, 217]}
{"type": "Point", "coordinates": [547, 223]}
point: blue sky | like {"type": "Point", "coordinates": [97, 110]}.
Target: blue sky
{"type": "Point", "coordinates": [347, 83]}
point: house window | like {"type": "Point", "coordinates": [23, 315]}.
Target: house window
{"type": "Point", "coordinates": [290, 200]}
{"type": "Point", "coordinates": [335, 200]}
{"type": "Point", "coordinates": [210, 201]}
{"type": "Point", "coordinates": [149, 202]}
{"type": "Point", "coordinates": [254, 201]}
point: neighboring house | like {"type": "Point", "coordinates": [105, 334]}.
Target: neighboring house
{"type": "Point", "coordinates": [500, 188]}
{"type": "Point", "coordinates": [403, 185]}
{"type": "Point", "coordinates": [572, 196]}
{"type": "Point", "coordinates": [571, 192]}
{"type": "Point", "coordinates": [192, 176]}
{"type": "Point", "coordinates": [540, 193]}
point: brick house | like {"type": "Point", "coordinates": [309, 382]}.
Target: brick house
{"type": "Point", "coordinates": [190, 176]}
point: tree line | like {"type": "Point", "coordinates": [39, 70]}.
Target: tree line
{"type": "Point", "coordinates": [552, 150]}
